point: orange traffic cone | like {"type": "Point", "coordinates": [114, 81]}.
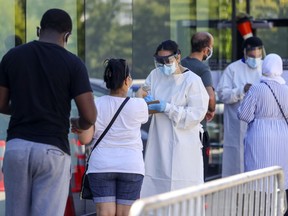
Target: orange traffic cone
{"type": "Point", "coordinates": [2, 150]}
{"type": "Point", "coordinates": [245, 28]}
{"type": "Point", "coordinates": [70, 208]}
{"type": "Point", "coordinates": [80, 168]}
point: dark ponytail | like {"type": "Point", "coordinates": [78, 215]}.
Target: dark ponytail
{"type": "Point", "coordinates": [116, 71]}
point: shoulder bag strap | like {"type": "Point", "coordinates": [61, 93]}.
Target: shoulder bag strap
{"type": "Point", "coordinates": [109, 125]}
{"type": "Point", "coordinates": [277, 101]}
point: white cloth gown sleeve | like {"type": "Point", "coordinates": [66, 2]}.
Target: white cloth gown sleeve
{"type": "Point", "coordinates": [230, 91]}
{"type": "Point", "coordinates": [173, 157]}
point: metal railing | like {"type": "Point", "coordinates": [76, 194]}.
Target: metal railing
{"type": "Point", "coordinates": [256, 193]}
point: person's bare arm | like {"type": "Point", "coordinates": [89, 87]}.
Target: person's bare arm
{"type": "Point", "coordinates": [4, 101]}
{"type": "Point", "coordinates": [247, 87]}
{"type": "Point", "coordinates": [84, 136]}
{"type": "Point", "coordinates": [87, 111]}
{"type": "Point", "coordinates": [212, 103]}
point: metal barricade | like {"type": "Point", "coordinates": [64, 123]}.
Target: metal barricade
{"type": "Point", "coordinates": [256, 193]}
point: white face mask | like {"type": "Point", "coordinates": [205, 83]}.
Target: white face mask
{"type": "Point", "coordinates": [168, 69]}
{"type": "Point", "coordinates": [253, 62]}
{"type": "Point", "coordinates": [210, 54]}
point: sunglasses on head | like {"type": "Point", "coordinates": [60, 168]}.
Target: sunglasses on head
{"type": "Point", "coordinates": [165, 59]}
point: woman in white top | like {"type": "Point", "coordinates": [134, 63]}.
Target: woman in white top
{"type": "Point", "coordinates": [116, 166]}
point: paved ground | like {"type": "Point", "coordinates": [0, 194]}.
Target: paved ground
{"type": "Point", "coordinates": [2, 203]}
{"type": "Point", "coordinates": [82, 207]}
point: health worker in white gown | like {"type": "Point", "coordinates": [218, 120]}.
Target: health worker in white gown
{"type": "Point", "coordinates": [234, 83]}
{"type": "Point", "coordinates": [173, 157]}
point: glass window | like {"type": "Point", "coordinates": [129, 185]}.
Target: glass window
{"type": "Point", "coordinates": [7, 33]}
{"type": "Point", "coordinates": [151, 26]}
{"type": "Point", "coordinates": [271, 20]}
{"type": "Point", "coordinates": [34, 11]}
{"type": "Point", "coordinates": [108, 33]}
{"type": "Point", "coordinates": [9, 37]}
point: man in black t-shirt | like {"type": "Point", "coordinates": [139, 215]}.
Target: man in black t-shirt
{"type": "Point", "coordinates": [201, 50]}
{"type": "Point", "coordinates": [38, 80]}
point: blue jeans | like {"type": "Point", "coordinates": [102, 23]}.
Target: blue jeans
{"type": "Point", "coordinates": [122, 188]}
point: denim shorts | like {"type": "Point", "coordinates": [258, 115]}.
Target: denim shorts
{"type": "Point", "coordinates": [122, 188]}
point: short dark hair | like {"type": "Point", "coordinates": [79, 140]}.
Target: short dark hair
{"type": "Point", "coordinates": [199, 41]}
{"type": "Point", "coordinates": [56, 19]}
{"type": "Point", "coordinates": [252, 42]}
{"type": "Point", "coordinates": [168, 45]}
{"type": "Point", "coordinates": [116, 71]}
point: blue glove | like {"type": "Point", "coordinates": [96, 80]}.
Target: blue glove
{"type": "Point", "coordinates": [149, 98]}
{"type": "Point", "coordinates": [159, 107]}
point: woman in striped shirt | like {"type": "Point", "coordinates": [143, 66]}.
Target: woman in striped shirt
{"type": "Point", "coordinates": [266, 140]}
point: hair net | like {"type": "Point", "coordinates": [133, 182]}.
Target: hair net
{"type": "Point", "coordinates": [272, 68]}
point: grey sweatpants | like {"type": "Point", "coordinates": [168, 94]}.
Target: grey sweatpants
{"type": "Point", "coordinates": [36, 178]}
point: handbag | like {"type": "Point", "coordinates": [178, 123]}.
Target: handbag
{"type": "Point", "coordinates": [277, 101]}
{"type": "Point", "coordinates": [86, 192]}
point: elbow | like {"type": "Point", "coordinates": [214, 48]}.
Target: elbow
{"type": "Point", "coordinates": [86, 122]}
{"type": "Point", "coordinates": [86, 136]}
{"type": "Point", "coordinates": [85, 142]}
{"type": "Point", "coordinates": [5, 109]}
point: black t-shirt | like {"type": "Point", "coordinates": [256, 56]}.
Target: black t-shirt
{"type": "Point", "coordinates": [42, 79]}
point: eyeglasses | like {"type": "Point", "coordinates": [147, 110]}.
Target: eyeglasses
{"type": "Point", "coordinates": [161, 60]}
{"type": "Point", "coordinates": [254, 52]}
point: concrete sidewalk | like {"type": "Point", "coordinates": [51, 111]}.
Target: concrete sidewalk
{"type": "Point", "coordinates": [82, 207]}
{"type": "Point", "coordinates": [2, 203]}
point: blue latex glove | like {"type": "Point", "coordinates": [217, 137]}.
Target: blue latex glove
{"type": "Point", "coordinates": [149, 98]}
{"type": "Point", "coordinates": [159, 107]}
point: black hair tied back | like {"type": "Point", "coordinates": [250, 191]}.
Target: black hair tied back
{"type": "Point", "coordinates": [115, 73]}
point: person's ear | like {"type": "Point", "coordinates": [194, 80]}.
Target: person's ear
{"type": "Point", "coordinates": [126, 81]}
{"type": "Point", "coordinates": [66, 36]}
{"type": "Point", "coordinates": [178, 58]}
{"type": "Point", "coordinates": [38, 31]}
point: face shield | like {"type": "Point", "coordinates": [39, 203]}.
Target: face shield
{"type": "Point", "coordinates": [255, 52]}
{"type": "Point", "coordinates": [166, 64]}
{"type": "Point", "coordinates": [254, 55]}
{"type": "Point", "coordinates": [161, 60]}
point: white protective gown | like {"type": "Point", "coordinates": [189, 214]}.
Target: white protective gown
{"type": "Point", "coordinates": [230, 91]}
{"type": "Point", "coordinates": [173, 157]}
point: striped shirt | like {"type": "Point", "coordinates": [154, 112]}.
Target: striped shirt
{"type": "Point", "coordinates": [266, 140]}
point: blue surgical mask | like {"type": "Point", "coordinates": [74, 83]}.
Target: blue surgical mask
{"type": "Point", "coordinates": [253, 62]}
{"type": "Point", "coordinates": [168, 69]}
